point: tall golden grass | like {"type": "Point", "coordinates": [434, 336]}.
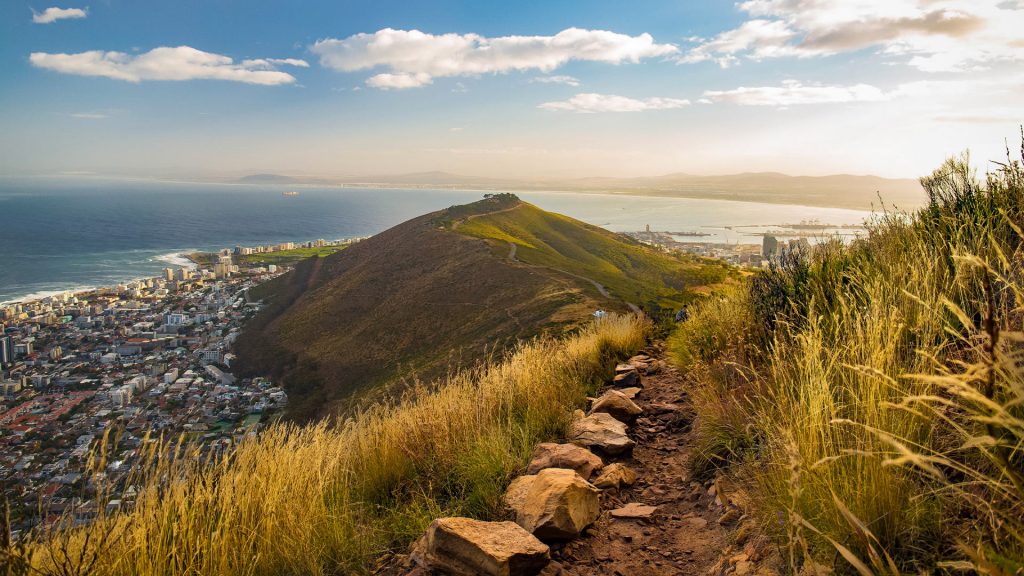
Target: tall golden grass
{"type": "Point", "coordinates": [871, 396]}
{"type": "Point", "coordinates": [336, 499]}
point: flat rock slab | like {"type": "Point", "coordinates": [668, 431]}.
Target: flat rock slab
{"type": "Point", "coordinates": [554, 504]}
{"type": "Point", "coordinates": [634, 511]}
{"type": "Point", "coordinates": [631, 393]}
{"type": "Point", "coordinates": [569, 456]}
{"type": "Point", "coordinates": [623, 368]}
{"type": "Point", "coordinates": [468, 547]}
{"type": "Point", "coordinates": [656, 408]}
{"type": "Point", "coordinates": [601, 431]}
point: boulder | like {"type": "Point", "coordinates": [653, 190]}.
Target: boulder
{"type": "Point", "coordinates": [601, 431]}
{"type": "Point", "coordinates": [467, 547]}
{"type": "Point", "coordinates": [554, 504]}
{"type": "Point", "coordinates": [571, 456]}
{"type": "Point", "coordinates": [618, 405]}
{"type": "Point", "coordinates": [615, 476]}
{"type": "Point", "coordinates": [630, 392]}
{"type": "Point", "coordinates": [627, 380]}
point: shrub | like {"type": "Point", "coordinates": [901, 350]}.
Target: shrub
{"type": "Point", "coordinates": [876, 406]}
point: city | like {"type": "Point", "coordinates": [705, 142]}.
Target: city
{"type": "Point", "coordinates": [111, 369]}
{"type": "Point", "coordinates": [742, 255]}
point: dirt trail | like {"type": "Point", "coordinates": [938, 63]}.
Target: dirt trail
{"type": "Point", "coordinates": [600, 287]}
{"type": "Point", "coordinates": [684, 535]}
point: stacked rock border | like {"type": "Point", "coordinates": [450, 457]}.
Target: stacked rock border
{"type": "Point", "coordinates": [557, 499]}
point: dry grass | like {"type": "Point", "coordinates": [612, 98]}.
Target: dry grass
{"type": "Point", "coordinates": [330, 500]}
{"type": "Point", "coordinates": [872, 396]}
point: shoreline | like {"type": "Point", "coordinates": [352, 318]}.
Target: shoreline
{"type": "Point", "coordinates": [174, 259]}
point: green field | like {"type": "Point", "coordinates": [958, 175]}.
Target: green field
{"type": "Point", "coordinates": [280, 258]}
{"type": "Point", "coordinates": [287, 257]}
{"type": "Point", "coordinates": [629, 270]}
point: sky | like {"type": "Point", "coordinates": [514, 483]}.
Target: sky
{"type": "Point", "coordinates": [528, 90]}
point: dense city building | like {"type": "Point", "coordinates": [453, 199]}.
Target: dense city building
{"type": "Point", "coordinates": [146, 359]}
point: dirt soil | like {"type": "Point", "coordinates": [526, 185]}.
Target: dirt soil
{"type": "Point", "coordinates": [683, 536]}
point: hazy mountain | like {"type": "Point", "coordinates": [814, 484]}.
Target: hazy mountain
{"type": "Point", "coordinates": [839, 190]}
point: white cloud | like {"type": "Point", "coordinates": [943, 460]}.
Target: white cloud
{"type": "Point", "coordinates": [591, 103]}
{"type": "Point", "coordinates": [931, 35]}
{"type": "Point", "coordinates": [567, 80]}
{"type": "Point", "coordinates": [269, 63]}
{"type": "Point", "coordinates": [399, 81]}
{"type": "Point", "coordinates": [414, 58]}
{"type": "Point", "coordinates": [164, 63]}
{"type": "Point", "coordinates": [792, 93]}
{"type": "Point", "coordinates": [52, 14]}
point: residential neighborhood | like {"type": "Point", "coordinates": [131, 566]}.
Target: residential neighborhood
{"type": "Point", "coordinates": [112, 369]}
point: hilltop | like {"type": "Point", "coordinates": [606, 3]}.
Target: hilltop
{"type": "Point", "coordinates": [443, 291]}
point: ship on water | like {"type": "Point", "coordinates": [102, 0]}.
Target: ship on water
{"type": "Point", "coordinates": [290, 193]}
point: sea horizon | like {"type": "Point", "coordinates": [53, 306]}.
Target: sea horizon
{"type": "Point", "coordinates": [99, 234]}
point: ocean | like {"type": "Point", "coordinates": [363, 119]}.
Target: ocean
{"type": "Point", "coordinates": [61, 234]}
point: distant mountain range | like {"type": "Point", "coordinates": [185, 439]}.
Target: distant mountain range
{"type": "Point", "coordinates": [839, 190]}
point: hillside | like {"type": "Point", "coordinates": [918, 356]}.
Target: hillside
{"type": "Point", "coordinates": [426, 297]}
{"type": "Point", "coordinates": [867, 400]}
{"type": "Point", "coordinates": [628, 270]}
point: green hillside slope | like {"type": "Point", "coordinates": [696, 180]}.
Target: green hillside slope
{"type": "Point", "coordinates": [630, 271]}
{"type": "Point", "coordinates": [420, 299]}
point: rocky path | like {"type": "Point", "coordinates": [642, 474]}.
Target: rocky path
{"type": "Point", "coordinates": [615, 499]}
{"type": "Point", "coordinates": [682, 535]}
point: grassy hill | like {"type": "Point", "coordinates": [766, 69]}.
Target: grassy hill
{"type": "Point", "coordinates": [427, 297]}
{"type": "Point", "coordinates": [870, 399]}
{"type": "Point", "coordinates": [630, 271]}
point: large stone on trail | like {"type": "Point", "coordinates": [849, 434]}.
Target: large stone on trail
{"type": "Point", "coordinates": [627, 380]}
{"type": "Point", "coordinates": [554, 504]}
{"type": "Point", "coordinates": [570, 456]}
{"type": "Point", "coordinates": [618, 405]}
{"type": "Point", "coordinates": [615, 476]}
{"type": "Point", "coordinates": [630, 392]}
{"type": "Point", "coordinates": [467, 547]}
{"type": "Point", "coordinates": [623, 368]}
{"type": "Point", "coordinates": [601, 431]}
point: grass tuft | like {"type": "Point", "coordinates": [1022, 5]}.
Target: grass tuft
{"type": "Point", "coordinates": [871, 396]}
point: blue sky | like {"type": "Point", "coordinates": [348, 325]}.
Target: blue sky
{"type": "Point", "coordinates": [221, 88]}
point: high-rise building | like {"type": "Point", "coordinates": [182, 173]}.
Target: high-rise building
{"type": "Point", "coordinates": [169, 274]}
{"type": "Point", "coordinates": [183, 274]}
{"type": "Point", "coordinates": [6, 350]}
{"type": "Point", "coordinates": [221, 270]}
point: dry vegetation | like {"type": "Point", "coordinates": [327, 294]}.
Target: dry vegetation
{"type": "Point", "coordinates": [871, 397]}
{"type": "Point", "coordinates": [335, 499]}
